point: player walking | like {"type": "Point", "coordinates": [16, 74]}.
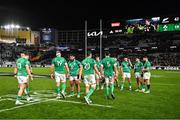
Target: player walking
{"type": "Point", "coordinates": [108, 67]}
{"type": "Point", "coordinates": [90, 67]}
{"type": "Point", "coordinates": [59, 69]}
{"type": "Point", "coordinates": [75, 68]}
{"type": "Point", "coordinates": [22, 71]}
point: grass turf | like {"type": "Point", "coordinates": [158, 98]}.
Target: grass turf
{"type": "Point", "coordinates": [162, 102]}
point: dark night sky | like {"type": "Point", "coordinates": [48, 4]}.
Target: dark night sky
{"type": "Point", "coordinates": [67, 14]}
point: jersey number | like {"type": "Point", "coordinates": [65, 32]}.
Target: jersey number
{"type": "Point", "coordinates": [59, 63]}
{"type": "Point", "coordinates": [87, 66]}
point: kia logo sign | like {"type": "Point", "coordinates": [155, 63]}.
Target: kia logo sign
{"type": "Point", "coordinates": [95, 34]}
{"type": "Point", "coordinates": [116, 24]}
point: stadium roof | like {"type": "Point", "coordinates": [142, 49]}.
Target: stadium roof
{"type": "Point", "coordinates": [64, 14]}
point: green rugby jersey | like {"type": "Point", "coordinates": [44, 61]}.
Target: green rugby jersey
{"type": "Point", "coordinates": [59, 64]}
{"type": "Point", "coordinates": [108, 65]}
{"type": "Point", "coordinates": [74, 67]}
{"type": "Point", "coordinates": [88, 65]}
{"type": "Point", "coordinates": [21, 66]}
{"type": "Point", "coordinates": [126, 66]}
{"type": "Point", "coordinates": [138, 67]}
{"type": "Point", "coordinates": [147, 66]}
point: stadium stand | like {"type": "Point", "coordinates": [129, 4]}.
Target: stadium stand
{"type": "Point", "coordinates": [163, 49]}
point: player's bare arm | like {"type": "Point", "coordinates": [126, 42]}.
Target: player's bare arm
{"type": "Point", "coordinates": [96, 70]}
{"type": "Point", "coordinates": [29, 72]}
{"type": "Point", "coordinates": [80, 71]}
{"type": "Point", "coordinates": [67, 69]}
{"type": "Point", "coordinates": [52, 71]}
{"type": "Point", "coordinates": [15, 71]}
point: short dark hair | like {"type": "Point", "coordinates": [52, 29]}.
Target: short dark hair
{"type": "Point", "coordinates": [58, 51]}
{"type": "Point", "coordinates": [89, 53]}
{"type": "Point", "coordinates": [145, 57]}
{"type": "Point", "coordinates": [107, 53]}
{"type": "Point", "coordinates": [24, 52]}
{"type": "Point", "coordinates": [97, 55]}
{"type": "Point", "coordinates": [71, 54]}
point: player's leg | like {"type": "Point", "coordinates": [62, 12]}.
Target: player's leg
{"type": "Point", "coordinates": [27, 91]}
{"type": "Point", "coordinates": [57, 78]}
{"type": "Point", "coordinates": [107, 87]}
{"type": "Point", "coordinates": [148, 83]}
{"type": "Point", "coordinates": [137, 76]}
{"type": "Point", "coordinates": [102, 83]}
{"type": "Point", "coordinates": [116, 79]}
{"type": "Point", "coordinates": [20, 92]}
{"type": "Point", "coordinates": [86, 82]}
{"type": "Point", "coordinates": [123, 80]}
{"type": "Point", "coordinates": [142, 83]}
{"type": "Point", "coordinates": [138, 84]}
{"type": "Point", "coordinates": [111, 84]}
{"type": "Point", "coordinates": [92, 84]}
{"type": "Point", "coordinates": [21, 80]}
{"type": "Point", "coordinates": [63, 81]}
{"type": "Point", "coordinates": [78, 89]}
{"type": "Point", "coordinates": [129, 80]}
{"type": "Point", "coordinates": [72, 82]}
{"type": "Point", "coordinates": [97, 82]}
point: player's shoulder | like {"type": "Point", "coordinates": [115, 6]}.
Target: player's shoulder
{"type": "Point", "coordinates": [54, 58]}
{"type": "Point", "coordinates": [18, 59]}
{"type": "Point", "coordinates": [149, 62]}
{"type": "Point", "coordinates": [83, 60]}
{"type": "Point", "coordinates": [61, 58]}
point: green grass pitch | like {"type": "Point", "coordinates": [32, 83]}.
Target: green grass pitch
{"type": "Point", "coordinates": [162, 102]}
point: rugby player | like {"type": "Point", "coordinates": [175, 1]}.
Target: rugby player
{"type": "Point", "coordinates": [146, 75]}
{"type": "Point", "coordinates": [75, 68]}
{"type": "Point", "coordinates": [90, 68]}
{"type": "Point", "coordinates": [27, 90]}
{"type": "Point", "coordinates": [108, 66]}
{"type": "Point", "coordinates": [138, 70]}
{"type": "Point", "coordinates": [60, 69]}
{"type": "Point", "coordinates": [21, 71]}
{"type": "Point", "coordinates": [126, 72]}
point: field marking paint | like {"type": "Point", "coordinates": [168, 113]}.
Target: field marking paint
{"type": "Point", "coordinates": [8, 109]}
{"type": "Point", "coordinates": [76, 102]}
{"type": "Point", "coordinates": [43, 101]}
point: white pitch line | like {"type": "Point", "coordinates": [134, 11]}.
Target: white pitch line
{"type": "Point", "coordinates": [3, 110]}
{"type": "Point", "coordinates": [54, 99]}
{"type": "Point", "coordinates": [5, 99]}
{"type": "Point", "coordinates": [75, 102]}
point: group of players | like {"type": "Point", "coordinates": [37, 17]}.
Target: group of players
{"type": "Point", "coordinates": [93, 72]}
